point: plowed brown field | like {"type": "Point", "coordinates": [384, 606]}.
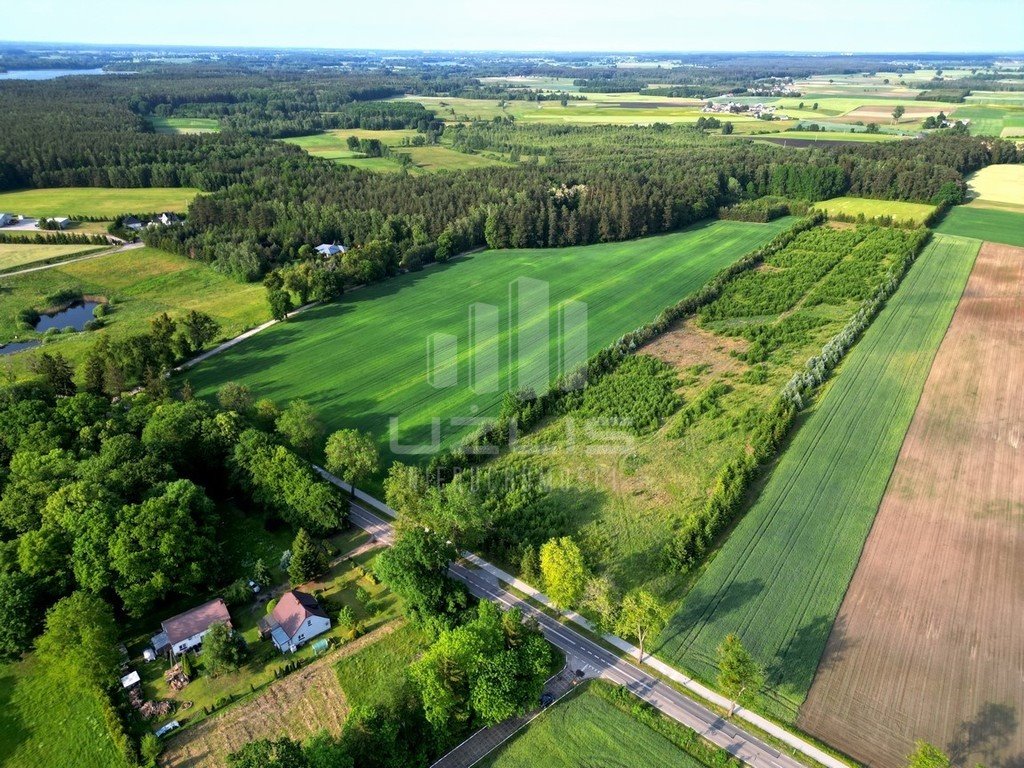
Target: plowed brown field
{"type": "Point", "coordinates": [929, 642]}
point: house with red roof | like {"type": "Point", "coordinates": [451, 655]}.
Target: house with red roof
{"type": "Point", "coordinates": [296, 619]}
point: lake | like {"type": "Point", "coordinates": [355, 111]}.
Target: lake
{"type": "Point", "coordinates": [46, 74]}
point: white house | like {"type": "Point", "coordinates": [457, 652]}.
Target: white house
{"type": "Point", "coordinates": [168, 219]}
{"type": "Point", "coordinates": [330, 249]}
{"type": "Point", "coordinates": [186, 630]}
{"type": "Point", "coordinates": [296, 619]}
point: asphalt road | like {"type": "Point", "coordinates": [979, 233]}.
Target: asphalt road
{"type": "Point", "coordinates": [665, 698]}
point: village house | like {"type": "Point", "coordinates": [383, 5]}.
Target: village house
{"type": "Point", "coordinates": [185, 631]}
{"type": "Point", "coordinates": [330, 249]}
{"type": "Point", "coordinates": [7, 218]}
{"type": "Point", "coordinates": [168, 219]}
{"type": "Point", "coordinates": [130, 222]}
{"type": "Point", "coordinates": [296, 619]}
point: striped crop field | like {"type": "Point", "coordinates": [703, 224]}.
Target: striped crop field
{"type": "Point", "coordinates": [363, 359]}
{"type": "Point", "coordinates": [779, 579]}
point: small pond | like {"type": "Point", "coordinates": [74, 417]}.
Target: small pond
{"type": "Point", "coordinates": [77, 315]}
{"type": "Point", "coordinates": [18, 346]}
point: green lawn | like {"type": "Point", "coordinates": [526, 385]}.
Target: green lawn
{"type": "Point", "coordinates": [363, 359]}
{"type": "Point", "coordinates": [854, 206]}
{"type": "Point", "coordinates": [142, 283]}
{"type": "Point", "coordinates": [45, 723]}
{"type": "Point", "coordinates": [16, 255]}
{"type": "Point", "coordinates": [586, 730]}
{"type": "Point", "coordinates": [185, 124]}
{"type": "Point", "coordinates": [984, 224]}
{"type": "Point", "coordinates": [96, 201]}
{"type": "Point", "coordinates": [377, 674]}
{"type": "Point", "coordinates": [781, 575]}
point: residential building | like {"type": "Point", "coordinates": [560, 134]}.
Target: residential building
{"type": "Point", "coordinates": [186, 630]}
{"type": "Point", "coordinates": [296, 619]}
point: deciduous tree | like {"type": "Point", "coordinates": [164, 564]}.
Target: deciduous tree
{"type": "Point", "coordinates": [564, 572]}
{"type": "Point", "coordinates": [642, 616]}
{"type": "Point", "coordinates": [739, 676]}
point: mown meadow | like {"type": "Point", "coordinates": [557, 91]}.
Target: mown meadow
{"type": "Point", "coordinates": [96, 202]}
{"type": "Point", "coordinates": [779, 578]}
{"type": "Point", "coordinates": [363, 359]}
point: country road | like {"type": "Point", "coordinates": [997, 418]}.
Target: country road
{"type": "Point", "coordinates": [663, 697]}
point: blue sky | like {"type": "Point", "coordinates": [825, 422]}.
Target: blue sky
{"type": "Point", "coordinates": [566, 25]}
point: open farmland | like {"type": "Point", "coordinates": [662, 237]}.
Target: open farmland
{"type": "Point", "coordinates": [15, 255]}
{"type": "Point", "coordinates": [624, 503]}
{"type": "Point", "coordinates": [93, 201]}
{"type": "Point", "coordinates": [321, 355]}
{"type": "Point", "coordinates": [332, 145]}
{"type": "Point", "coordinates": [998, 186]}
{"type": "Point", "coordinates": [996, 226]}
{"type": "Point", "coordinates": [934, 610]}
{"type": "Point", "coordinates": [781, 575]}
{"type": "Point", "coordinates": [40, 711]}
{"type": "Point", "coordinates": [870, 209]}
{"type": "Point", "coordinates": [588, 730]}
{"type": "Point", "coordinates": [185, 124]}
{"type": "Point", "coordinates": [142, 283]}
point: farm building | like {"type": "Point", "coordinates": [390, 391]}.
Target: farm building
{"type": "Point", "coordinates": [330, 249]}
{"type": "Point", "coordinates": [296, 619]}
{"type": "Point", "coordinates": [186, 630]}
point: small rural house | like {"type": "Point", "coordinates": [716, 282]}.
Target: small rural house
{"type": "Point", "coordinates": [186, 630]}
{"type": "Point", "coordinates": [130, 222]}
{"type": "Point", "coordinates": [330, 249]}
{"type": "Point", "coordinates": [168, 219]}
{"type": "Point", "coordinates": [296, 619]}
{"type": "Point", "coordinates": [6, 218]}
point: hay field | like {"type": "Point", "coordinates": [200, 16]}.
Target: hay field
{"type": "Point", "coordinates": [933, 613]}
{"type": "Point", "coordinates": [998, 186]}
{"type": "Point", "coordinates": [855, 206]}
{"type": "Point", "coordinates": [17, 255]}
{"type": "Point", "coordinates": [96, 201]}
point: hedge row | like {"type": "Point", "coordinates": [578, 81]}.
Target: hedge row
{"type": "Point", "coordinates": [725, 503]}
{"type": "Point", "coordinates": [523, 410]}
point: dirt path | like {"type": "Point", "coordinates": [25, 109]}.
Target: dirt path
{"type": "Point", "coordinates": [929, 642]}
{"type": "Point", "coordinates": [56, 264]}
{"type": "Point", "coordinates": [297, 706]}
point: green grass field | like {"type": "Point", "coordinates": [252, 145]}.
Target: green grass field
{"type": "Point", "coordinates": [332, 146]}
{"type": "Point", "coordinates": [377, 674]}
{"type": "Point", "coordinates": [583, 731]}
{"type": "Point", "coordinates": [185, 124]}
{"type": "Point", "coordinates": [142, 283]}
{"type": "Point", "coordinates": [322, 355]}
{"type": "Point", "coordinates": [16, 255]}
{"type": "Point", "coordinates": [96, 201]}
{"type": "Point", "coordinates": [833, 135]}
{"type": "Point", "coordinates": [38, 715]}
{"type": "Point", "coordinates": [984, 224]}
{"type": "Point", "coordinates": [781, 575]}
{"type": "Point", "coordinates": [855, 206]}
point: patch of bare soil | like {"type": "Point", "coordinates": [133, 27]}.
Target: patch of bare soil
{"type": "Point", "coordinates": [686, 344]}
{"type": "Point", "coordinates": [299, 705]}
{"type": "Point", "coordinates": [932, 640]}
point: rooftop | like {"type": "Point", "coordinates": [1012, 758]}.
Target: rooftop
{"type": "Point", "coordinates": [199, 619]}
